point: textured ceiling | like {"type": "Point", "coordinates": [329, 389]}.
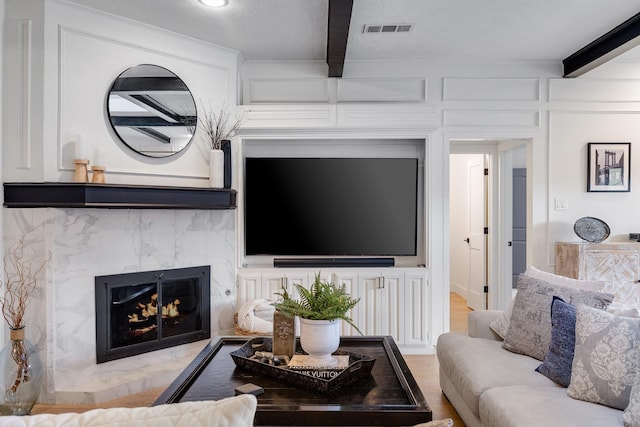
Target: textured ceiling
{"type": "Point", "coordinates": [488, 30]}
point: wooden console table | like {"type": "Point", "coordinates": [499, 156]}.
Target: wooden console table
{"type": "Point", "coordinates": [617, 264]}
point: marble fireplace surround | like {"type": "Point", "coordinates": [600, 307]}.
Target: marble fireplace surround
{"type": "Point", "coordinates": [88, 242]}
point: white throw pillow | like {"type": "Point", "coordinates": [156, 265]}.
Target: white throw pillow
{"type": "Point", "coordinates": [233, 411]}
{"type": "Point", "coordinates": [568, 282]}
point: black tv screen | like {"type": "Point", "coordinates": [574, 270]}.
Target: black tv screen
{"type": "Point", "coordinates": [331, 206]}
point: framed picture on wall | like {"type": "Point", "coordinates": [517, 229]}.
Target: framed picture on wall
{"type": "Point", "coordinates": [608, 166]}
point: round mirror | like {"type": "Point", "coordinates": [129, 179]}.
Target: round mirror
{"type": "Point", "coordinates": [152, 111]}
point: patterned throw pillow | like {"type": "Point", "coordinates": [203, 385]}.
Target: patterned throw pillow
{"type": "Point", "coordinates": [501, 324]}
{"type": "Point", "coordinates": [605, 360]}
{"type": "Point", "coordinates": [530, 326]}
{"type": "Point", "coordinates": [557, 362]}
{"type": "Point", "coordinates": [631, 415]}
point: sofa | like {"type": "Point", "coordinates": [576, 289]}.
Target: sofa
{"type": "Point", "coordinates": [493, 380]}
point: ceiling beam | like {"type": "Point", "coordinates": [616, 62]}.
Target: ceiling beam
{"type": "Point", "coordinates": [622, 38]}
{"type": "Point", "coordinates": [338, 34]}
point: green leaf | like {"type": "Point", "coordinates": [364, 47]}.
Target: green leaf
{"type": "Point", "coordinates": [322, 301]}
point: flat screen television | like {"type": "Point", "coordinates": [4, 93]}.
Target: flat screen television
{"type": "Point", "coordinates": [324, 207]}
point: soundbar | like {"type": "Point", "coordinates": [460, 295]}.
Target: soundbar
{"type": "Point", "coordinates": [332, 262]}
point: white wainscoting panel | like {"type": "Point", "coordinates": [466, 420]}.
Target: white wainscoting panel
{"type": "Point", "coordinates": [492, 118]}
{"type": "Point", "coordinates": [287, 116]}
{"type": "Point", "coordinates": [88, 66]}
{"type": "Point", "coordinates": [394, 116]}
{"type": "Point", "coordinates": [25, 52]}
{"type": "Point", "coordinates": [381, 90]}
{"type": "Point", "coordinates": [584, 90]}
{"type": "Point", "coordinates": [494, 89]}
{"type": "Point", "coordinates": [288, 90]}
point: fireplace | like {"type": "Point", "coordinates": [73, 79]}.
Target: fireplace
{"type": "Point", "coordinates": [146, 311]}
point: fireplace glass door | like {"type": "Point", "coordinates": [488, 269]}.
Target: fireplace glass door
{"type": "Point", "coordinates": [141, 312]}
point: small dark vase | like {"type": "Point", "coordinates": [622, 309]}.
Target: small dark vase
{"type": "Point", "coordinates": [20, 375]}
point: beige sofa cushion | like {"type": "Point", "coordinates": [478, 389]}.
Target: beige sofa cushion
{"type": "Point", "coordinates": [475, 365]}
{"type": "Point", "coordinates": [234, 411]}
{"type": "Point", "coordinates": [530, 405]}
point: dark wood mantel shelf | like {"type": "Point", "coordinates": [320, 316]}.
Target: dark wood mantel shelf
{"type": "Point", "coordinates": [114, 196]}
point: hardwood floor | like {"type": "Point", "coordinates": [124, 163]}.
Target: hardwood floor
{"type": "Point", "coordinates": [424, 369]}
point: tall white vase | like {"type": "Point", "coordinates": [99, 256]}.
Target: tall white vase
{"type": "Point", "coordinates": [216, 168]}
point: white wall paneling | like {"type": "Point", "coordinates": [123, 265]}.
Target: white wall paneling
{"type": "Point", "coordinates": [586, 90]}
{"type": "Point", "coordinates": [70, 79]}
{"type": "Point", "coordinates": [309, 90]}
{"type": "Point", "coordinates": [86, 79]}
{"type": "Point", "coordinates": [491, 90]}
{"type": "Point", "coordinates": [492, 118]}
{"type": "Point", "coordinates": [288, 90]}
{"type": "Point", "coordinates": [400, 116]}
{"type": "Point", "coordinates": [287, 116]}
{"type": "Point", "coordinates": [360, 116]}
{"type": "Point", "coordinates": [23, 97]}
{"type": "Point", "coordinates": [381, 90]}
{"type": "Point", "coordinates": [25, 52]}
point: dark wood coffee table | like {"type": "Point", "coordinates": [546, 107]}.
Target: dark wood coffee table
{"type": "Point", "coordinates": [389, 397]}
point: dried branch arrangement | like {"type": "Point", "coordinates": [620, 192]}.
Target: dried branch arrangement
{"type": "Point", "coordinates": [20, 280]}
{"type": "Point", "coordinates": [217, 127]}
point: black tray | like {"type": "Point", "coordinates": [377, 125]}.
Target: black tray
{"type": "Point", "coordinates": [359, 367]}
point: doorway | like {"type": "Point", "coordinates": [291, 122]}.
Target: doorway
{"type": "Point", "coordinates": [468, 223]}
{"type": "Point", "coordinates": [483, 210]}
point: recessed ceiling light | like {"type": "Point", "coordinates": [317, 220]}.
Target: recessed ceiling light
{"type": "Point", "coordinates": [214, 3]}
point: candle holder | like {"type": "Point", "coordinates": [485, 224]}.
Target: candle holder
{"type": "Point", "coordinates": [98, 174]}
{"type": "Point", "coordinates": [81, 173]}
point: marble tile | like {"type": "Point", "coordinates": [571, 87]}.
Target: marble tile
{"type": "Point", "coordinates": [85, 243]}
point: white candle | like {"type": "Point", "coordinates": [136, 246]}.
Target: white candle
{"type": "Point", "coordinates": [79, 146]}
{"type": "Point", "coordinates": [98, 157]}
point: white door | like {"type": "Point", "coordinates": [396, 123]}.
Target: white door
{"type": "Point", "coordinates": [477, 214]}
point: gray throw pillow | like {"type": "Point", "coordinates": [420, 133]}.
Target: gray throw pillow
{"type": "Point", "coordinates": [631, 415]}
{"type": "Point", "coordinates": [557, 362]}
{"type": "Point", "coordinates": [605, 360]}
{"type": "Point", "coordinates": [530, 325]}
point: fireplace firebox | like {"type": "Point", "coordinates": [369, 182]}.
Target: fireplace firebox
{"type": "Point", "coordinates": [146, 311]}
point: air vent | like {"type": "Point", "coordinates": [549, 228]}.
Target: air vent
{"type": "Point", "coordinates": [388, 28]}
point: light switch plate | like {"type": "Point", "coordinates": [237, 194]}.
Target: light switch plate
{"type": "Point", "coordinates": [561, 204]}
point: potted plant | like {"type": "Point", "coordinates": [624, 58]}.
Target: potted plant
{"type": "Point", "coordinates": [320, 309]}
{"type": "Point", "coordinates": [216, 128]}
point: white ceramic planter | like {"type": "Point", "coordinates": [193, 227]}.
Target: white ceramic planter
{"type": "Point", "coordinates": [320, 338]}
{"type": "Point", "coordinates": [216, 168]}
